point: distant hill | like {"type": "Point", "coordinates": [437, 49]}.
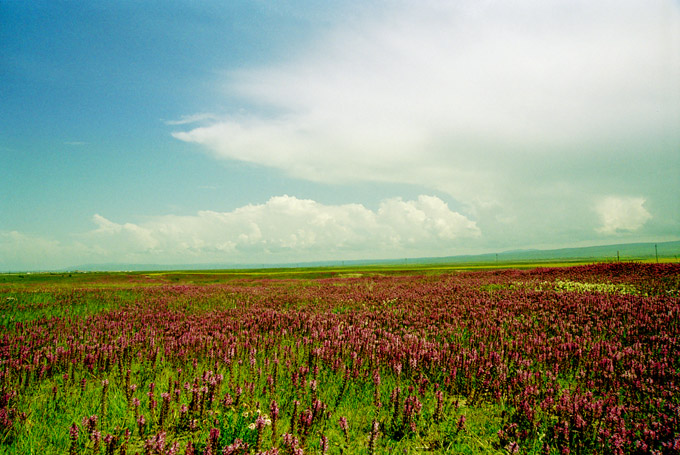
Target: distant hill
{"type": "Point", "coordinates": [625, 251]}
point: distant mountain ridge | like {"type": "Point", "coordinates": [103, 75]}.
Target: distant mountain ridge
{"type": "Point", "coordinates": [622, 251]}
{"type": "Point", "coordinates": [625, 252]}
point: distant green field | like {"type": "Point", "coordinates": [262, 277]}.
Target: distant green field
{"type": "Point", "coordinates": [154, 277]}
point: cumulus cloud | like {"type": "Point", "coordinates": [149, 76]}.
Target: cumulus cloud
{"type": "Point", "coordinates": [621, 214]}
{"type": "Point", "coordinates": [459, 96]}
{"type": "Point", "coordinates": [286, 228]}
{"type": "Point", "coordinates": [128, 235]}
{"type": "Point", "coordinates": [283, 229]}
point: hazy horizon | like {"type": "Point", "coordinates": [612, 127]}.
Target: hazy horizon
{"type": "Point", "coordinates": [272, 132]}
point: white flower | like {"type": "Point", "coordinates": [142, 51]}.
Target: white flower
{"type": "Point", "coordinates": [251, 426]}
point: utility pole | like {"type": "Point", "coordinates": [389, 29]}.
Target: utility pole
{"type": "Point", "coordinates": [656, 252]}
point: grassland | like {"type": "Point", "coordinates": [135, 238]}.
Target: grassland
{"type": "Point", "coordinates": [376, 359]}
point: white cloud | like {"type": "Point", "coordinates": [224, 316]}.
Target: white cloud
{"type": "Point", "coordinates": [189, 119]}
{"type": "Point", "coordinates": [127, 236]}
{"type": "Point", "coordinates": [285, 229]}
{"type": "Point", "coordinates": [457, 95]}
{"type": "Point", "coordinates": [621, 214]}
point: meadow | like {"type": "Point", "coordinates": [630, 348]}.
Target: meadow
{"type": "Point", "coordinates": [550, 360]}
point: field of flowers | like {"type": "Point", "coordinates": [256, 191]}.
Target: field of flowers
{"type": "Point", "coordinates": [551, 360]}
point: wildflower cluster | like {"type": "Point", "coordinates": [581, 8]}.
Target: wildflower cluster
{"type": "Point", "coordinates": [361, 364]}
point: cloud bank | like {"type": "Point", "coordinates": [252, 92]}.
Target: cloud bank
{"type": "Point", "coordinates": [622, 214]}
{"type": "Point", "coordinates": [526, 111]}
{"type": "Point", "coordinates": [283, 229]}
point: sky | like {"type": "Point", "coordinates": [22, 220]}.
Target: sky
{"type": "Point", "coordinates": [262, 132]}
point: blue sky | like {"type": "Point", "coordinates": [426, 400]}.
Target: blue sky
{"type": "Point", "coordinates": [178, 132]}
